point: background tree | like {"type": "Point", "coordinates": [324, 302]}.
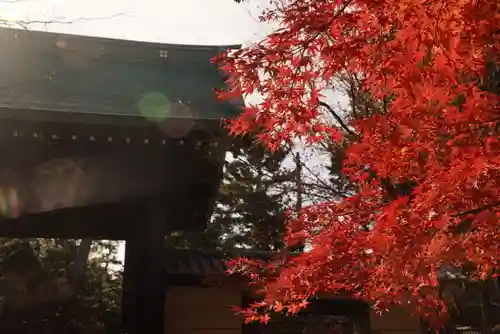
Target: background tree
{"type": "Point", "coordinates": [38, 295]}
{"type": "Point", "coordinates": [254, 194]}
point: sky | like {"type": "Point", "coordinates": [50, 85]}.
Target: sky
{"type": "Point", "coordinates": [218, 22]}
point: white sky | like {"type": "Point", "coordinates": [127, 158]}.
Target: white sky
{"type": "Point", "coordinates": [168, 21]}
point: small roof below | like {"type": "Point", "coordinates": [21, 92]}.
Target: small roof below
{"type": "Point", "coordinates": [191, 262]}
{"type": "Point", "coordinates": [186, 262]}
{"type": "Point", "coordinates": [88, 75]}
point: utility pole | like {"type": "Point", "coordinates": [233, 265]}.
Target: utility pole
{"type": "Point", "coordinates": [300, 190]}
{"type": "Point", "coordinates": [298, 182]}
{"type": "Point", "coordinates": [298, 203]}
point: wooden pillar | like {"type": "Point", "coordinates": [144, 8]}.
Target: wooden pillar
{"type": "Point", "coordinates": [362, 321]}
{"type": "Point", "coordinates": [144, 274]}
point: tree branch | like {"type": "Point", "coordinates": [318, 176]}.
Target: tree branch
{"type": "Point", "coordinates": [337, 117]}
{"type": "Point", "coordinates": [478, 210]}
{"type": "Point", "coordinates": [25, 24]}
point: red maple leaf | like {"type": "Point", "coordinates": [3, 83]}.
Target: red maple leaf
{"type": "Point", "coordinates": [437, 129]}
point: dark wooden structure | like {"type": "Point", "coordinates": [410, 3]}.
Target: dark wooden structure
{"type": "Point", "coordinates": [109, 139]}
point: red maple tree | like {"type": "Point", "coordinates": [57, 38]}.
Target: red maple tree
{"type": "Point", "coordinates": [424, 61]}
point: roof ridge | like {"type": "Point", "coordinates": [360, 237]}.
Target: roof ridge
{"type": "Point", "coordinates": [118, 40]}
{"type": "Point", "coordinates": [215, 252]}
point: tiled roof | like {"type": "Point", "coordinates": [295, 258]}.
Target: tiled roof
{"type": "Point", "coordinates": [88, 75]}
{"type": "Point", "coordinates": [203, 263]}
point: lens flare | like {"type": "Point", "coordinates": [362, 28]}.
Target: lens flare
{"type": "Point", "coordinates": [180, 121]}
{"type": "Point", "coordinates": [155, 106]}
{"type": "Point", "coordinates": [175, 119]}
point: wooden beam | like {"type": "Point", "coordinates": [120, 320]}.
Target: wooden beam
{"type": "Point", "coordinates": [187, 209]}
{"type": "Point", "coordinates": [111, 221]}
{"type": "Point", "coordinates": [61, 122]}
